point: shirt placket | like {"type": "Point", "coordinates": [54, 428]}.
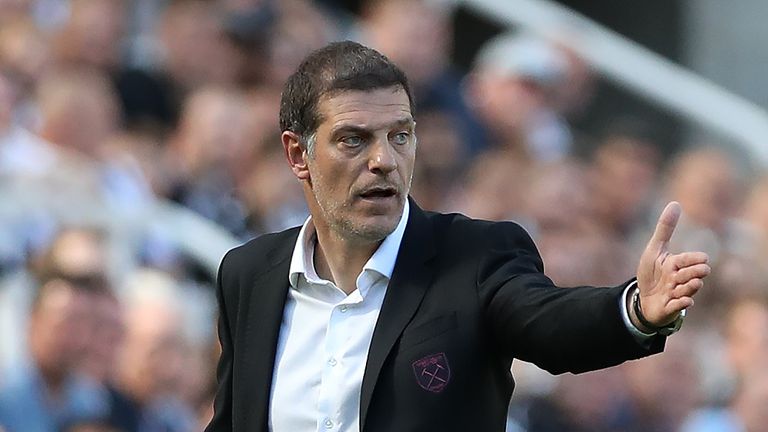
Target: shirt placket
{"type": "Point", "coordinates": [332, 379]}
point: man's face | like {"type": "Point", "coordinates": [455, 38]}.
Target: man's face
{"type": "Point", "coordinates": [59, 328]}
{"type": "Point", "coordinates": [359, 172]}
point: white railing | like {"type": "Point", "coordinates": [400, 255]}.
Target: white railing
{"type": "Point", "coordinates": [641, 71]}
{"type": "Point", "coordinates": [202, 240]}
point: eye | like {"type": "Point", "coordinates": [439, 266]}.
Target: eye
{"type": "Point", "coordinates": [401, 138]}
{"type": "Point", "coordinates": [352, 141]}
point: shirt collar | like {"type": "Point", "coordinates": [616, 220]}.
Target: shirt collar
{"type": "Point", "coordinates": [382, 261]}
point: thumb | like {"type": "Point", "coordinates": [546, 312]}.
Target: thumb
{"type": "Point", "coordinates": [666, 224]}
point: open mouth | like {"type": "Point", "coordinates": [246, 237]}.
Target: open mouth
{"type": "Point", "coordinates": [379, 192]}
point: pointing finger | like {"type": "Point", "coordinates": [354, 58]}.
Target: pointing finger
{"type": "Point", "coordinates": [666, 224]}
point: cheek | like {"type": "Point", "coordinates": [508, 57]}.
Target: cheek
{"type": "Point", "coordinates": [335, 170]}
{"type": "Point", "coordinates": [326, 179]}
{"type": "Point", "coordinates": [407, 164]}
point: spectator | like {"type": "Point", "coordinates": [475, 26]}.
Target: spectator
{"type": "Point", "coordinates": [573, 98]}
{"type": "Point", "coordinates": [207, 154]}
{"type": "Point", "coordinates": [707, 184]}
{"type": "Point", "coordinates": [92, 34]}
{"type": "Point", "coordinates": [576, 248]}
{"type": "Point", "coordinates": [436, 177]}
{"type": "Point", "coordinates": [710, 186]}
{"type": "Point", "coordinates": [195, 49]}
{"type": "Point", "coordinates": [72, 251]}
{"type": "Point", "coordinates": [749, 404]}
{"type": "Point", "coordinates": [156, 356]}
{"type": "Point", "coordinates": [580, 403]}
{"type": "Point", "coordinates": [71, 97]}
{"type": "Point", "coordinates": [273, 198]}
{"type": "Point", "coordinates": [565, 183]}
{"type": "Point", "coordinates": [299, 28]}
{"type": "Point", "coordinates": [627, 158]}
{"type": "Point", "coordinates": [74, 97]}
{"type": "Point", "coordinates": [742, 354]}
{"type": "Point", "coordinates": [511, 87]}
{"type": "Point", "coordinates": [746, 331]}
{"type": "Point", "coordinates": [494, 187]}
{"type": "Point", "coordinates": [392, 26]}
{"type": "Point", "coordinates": [657, 404]}
{"type": "Point", "coordinates": [745, 414]}
{"type": "Point", "coordinates": [92, 37]}
{"type": "Point", "coordinates": [51, 392]}
{"type": "Point", "coordinates": [98, 361]}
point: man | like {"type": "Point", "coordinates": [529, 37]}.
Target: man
{"type": "Point", "coordinates": [50, 393]}
{"type": "Point", "coordinates": [152, 365]}
{"type": "Point", "coordinates": [378, 316]}
{"type": "Point", "coordinates": [513, 86]}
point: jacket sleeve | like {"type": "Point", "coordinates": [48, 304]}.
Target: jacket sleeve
{"type": "Point", "coordinates": [222, 416]}
{"type": "Point", "coordinates": [558, 329]}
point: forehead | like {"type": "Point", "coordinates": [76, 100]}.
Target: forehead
{"type": "Point", "coordinates": [365, 108]}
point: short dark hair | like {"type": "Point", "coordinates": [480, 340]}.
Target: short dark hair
{"type": "Point", "coordinates": [336, 67]}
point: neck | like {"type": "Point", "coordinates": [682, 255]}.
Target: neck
{"type": "Point", "coordinates": [341, 260]}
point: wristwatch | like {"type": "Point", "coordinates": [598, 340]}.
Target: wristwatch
{"type": "Point", "coordinates": [666, 330]}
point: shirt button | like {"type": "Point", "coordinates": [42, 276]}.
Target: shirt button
{"type": "Point", "coordinates": [343, 308]}
{"type": "Point", "coordinates": [328, 424]}
{"type": "Point", "coordinates": [332, 362]}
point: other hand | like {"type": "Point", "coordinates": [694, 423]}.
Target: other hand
{"type": "Point", "coordinates": [668, 281]}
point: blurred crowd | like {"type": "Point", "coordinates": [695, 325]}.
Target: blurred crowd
{"type": "Point", "coordinates": [110, 106]}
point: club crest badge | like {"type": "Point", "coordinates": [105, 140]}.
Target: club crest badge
{"type": "Point", "coordinates": [432, 372]}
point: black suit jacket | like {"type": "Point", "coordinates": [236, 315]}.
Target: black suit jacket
{"type": "Point", "coordinates": [465, 298]}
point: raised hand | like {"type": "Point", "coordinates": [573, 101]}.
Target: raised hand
{"type": "Point", "coordinates": [667, 281]}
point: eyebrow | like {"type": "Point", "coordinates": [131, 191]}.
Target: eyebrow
{"type": "Point", "coordinates": [403, 122]}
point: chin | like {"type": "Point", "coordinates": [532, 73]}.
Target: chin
{"type": "Point", "coordinates": [372, 228]}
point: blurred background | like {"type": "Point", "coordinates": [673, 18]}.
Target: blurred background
{"type": "Point", "coordinates": [139, 141]}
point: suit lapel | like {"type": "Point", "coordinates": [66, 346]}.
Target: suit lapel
{"type": "Point", "coordinates": [409, 282]}
{"type": "Point", "coordinates": [266, 301]}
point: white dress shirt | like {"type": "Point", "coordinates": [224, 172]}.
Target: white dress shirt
{"type": "Point", "coordinates": [325, 335]}
{"type": "Point", "coordinates": [324, 339]}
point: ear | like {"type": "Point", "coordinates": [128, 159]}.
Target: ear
{"type": "Point", "coordinates": [295, 154]}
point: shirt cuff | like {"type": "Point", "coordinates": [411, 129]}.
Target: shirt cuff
{"type": "Point", "coordinates": [640, 336]}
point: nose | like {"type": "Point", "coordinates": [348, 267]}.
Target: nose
{"type": "Point", "coordinates": [382, 157]}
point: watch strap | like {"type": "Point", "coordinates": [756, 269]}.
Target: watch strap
{"type": "Point", "coordinates": [666, 330]}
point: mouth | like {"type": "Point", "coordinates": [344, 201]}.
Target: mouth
{"type": "Point", "coordinates": [378, 193]}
